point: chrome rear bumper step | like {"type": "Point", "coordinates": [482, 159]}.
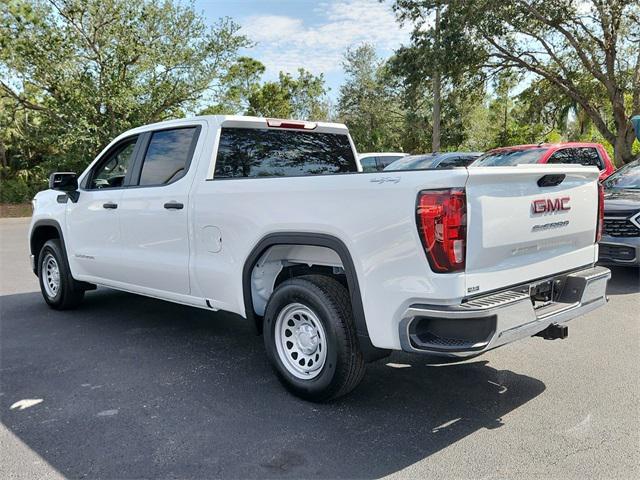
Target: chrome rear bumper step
{"type": "Point", "coordinates": [487, 322]}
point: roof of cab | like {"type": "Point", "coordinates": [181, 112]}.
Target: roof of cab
{"type": "Point", "coordinates": [242, 121]}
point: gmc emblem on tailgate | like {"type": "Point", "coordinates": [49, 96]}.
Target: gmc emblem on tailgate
{"type": "Point", "coordinates": [548, 205]}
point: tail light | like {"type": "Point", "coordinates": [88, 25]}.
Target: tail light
{"type": "Point", "coordinates": [600, 224]}
{"type": "Point", "coordinates": [442, 224]}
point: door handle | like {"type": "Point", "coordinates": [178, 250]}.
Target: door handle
{"type": "Point", "coordinates": [110, 205]}
{"type": "Point", "coordinates": [173, 206]}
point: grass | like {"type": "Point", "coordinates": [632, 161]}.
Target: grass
{"type": "Point", "coordinates": [13, 210]}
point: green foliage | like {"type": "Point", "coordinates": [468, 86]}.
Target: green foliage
{"type": "Point", "coordinates": [21, 186]}
{"type": "Point", "coordinates": [76, 73]}
{"type": "Point", "coordinates": [270, 100]}
{"type": "Point", "coordinates": [369, 103]}
{"type": "Point", "coordinates": [583, 56]}
{"type": "Point", "coordinates": [386, 107]}
{"type": "Point", "coordinates": [303, 97]}
{"type": "Point", "coordinates": [240, 83]}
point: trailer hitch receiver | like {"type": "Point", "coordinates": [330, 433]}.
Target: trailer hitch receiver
{"type": "Point", "coordinates": [554, 331]}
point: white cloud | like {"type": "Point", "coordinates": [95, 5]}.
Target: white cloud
{"type": "Point", "coordinates": [287, 43]}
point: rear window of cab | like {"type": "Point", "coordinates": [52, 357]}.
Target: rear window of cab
{"type": "Point", "coordinates": [261, 153]}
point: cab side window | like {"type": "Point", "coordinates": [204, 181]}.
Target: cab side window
{"type": "Point", "coordinates": [112, 170]}
{"type": "Point", "coordinates": [168, 156]}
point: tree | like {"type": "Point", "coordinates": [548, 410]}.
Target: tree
{"type": "Point", "coordinates": [590, 51]}
{"type": "Point", "coordinates": [270, 100]}
{"type": "Point", "coordinates": [303, 97]}
{"type": "Point", "coordinates": [439, 64]}
{"type": "Point", "coordinates": [369, 102]}
{"type": "Point", "coordinates": [308, 95]}
{"type": "Point", "coordinates": [437, 86]}
{"type": "Point", "coordinates": [83, 71]}
{"type": "Point", "coordinates": [239, 84]}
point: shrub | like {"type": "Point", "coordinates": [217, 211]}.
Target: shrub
{"type": "Point", "coordinates": [21, 186]}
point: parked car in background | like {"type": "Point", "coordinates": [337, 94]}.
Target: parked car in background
{"type": "Point", "coordinates": [620, 243]}
{"type": "Point", "coordinates": [376, 162]}
{"type": "Point", "coordinates": [568, 153]}
{"type": "Point", "coordinates": [434, 160]}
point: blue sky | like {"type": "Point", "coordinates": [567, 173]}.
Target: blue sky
{"type": "Point", "coordinates": [309, 34]}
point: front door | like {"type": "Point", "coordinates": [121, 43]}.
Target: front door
{"type": "Point", "coordinates": [93, 221]}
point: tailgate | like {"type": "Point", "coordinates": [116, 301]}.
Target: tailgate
{"type": "Point", "coordinates": [520, 231]}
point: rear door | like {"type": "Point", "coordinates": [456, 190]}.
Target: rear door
{"type": "Point", "coordinates": [518, 229]}
{"type": "Point", "coordinates": [154, 212]}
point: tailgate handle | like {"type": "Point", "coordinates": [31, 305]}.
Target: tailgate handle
{"type": "Point", "coordinates": [173, 206]}
{"type": "Point", "coordinates": [551, 180]}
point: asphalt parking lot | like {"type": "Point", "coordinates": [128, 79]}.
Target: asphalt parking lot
{"type": "Point", "coordinates": [131, 387]}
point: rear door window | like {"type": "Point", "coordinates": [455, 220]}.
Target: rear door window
{"type": "Point", "coordinates": [256, 152]}
{"type": "Point", "coordinates": [168, 156]}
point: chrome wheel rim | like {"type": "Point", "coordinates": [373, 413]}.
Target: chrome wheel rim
{"type": "Point", "coordinates": [300, 341]}
{"type": "Point", "coordinates": [50, 275]}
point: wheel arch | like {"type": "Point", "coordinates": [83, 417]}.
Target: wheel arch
{"type": "Point", "coordinates": [314, 240]}
{"type": "Point", "coordinates": [41, 232]}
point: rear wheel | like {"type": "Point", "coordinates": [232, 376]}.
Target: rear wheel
{"type": "Point", "coordinates": [58, 287]}
{"type": "Point", "coordinates": [310, 338]}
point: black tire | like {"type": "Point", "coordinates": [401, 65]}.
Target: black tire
{"type": "Point", "coordinates": [328, 299]}
{"type": "Point", "coordinates": [69, 293]}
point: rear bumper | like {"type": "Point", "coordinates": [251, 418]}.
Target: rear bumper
{"type": "Point", "coordinates": [487, 322]}
{"type": "Point", "coordinates": [624, 251]}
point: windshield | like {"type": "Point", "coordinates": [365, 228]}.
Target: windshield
{"type": "Point", "coordinates": [627, 177]}
{"type": "Point", "coordinates": [413, 162]}
{"type": "Point", "coordinates": [506, 158]}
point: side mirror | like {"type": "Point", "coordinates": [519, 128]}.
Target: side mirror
{"type": "Point", "coordinates": [66, 182]}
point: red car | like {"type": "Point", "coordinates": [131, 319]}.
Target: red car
{"type": "Point", "coordinates": [571, 152]}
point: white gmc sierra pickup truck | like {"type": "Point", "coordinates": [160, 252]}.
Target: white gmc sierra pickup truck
{"type": "Point", "coordinates": [274, 221]}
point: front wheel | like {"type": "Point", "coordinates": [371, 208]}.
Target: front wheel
{"type": "Point", "coordinates": [58, 287]}
{"type": "Point", "coordinates": [310, 338]}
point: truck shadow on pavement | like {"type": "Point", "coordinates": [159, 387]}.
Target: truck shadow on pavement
{"type": "Point", "coordinates": [133, 387]}
{"type": "Point", "coordinates": [624, 280]}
